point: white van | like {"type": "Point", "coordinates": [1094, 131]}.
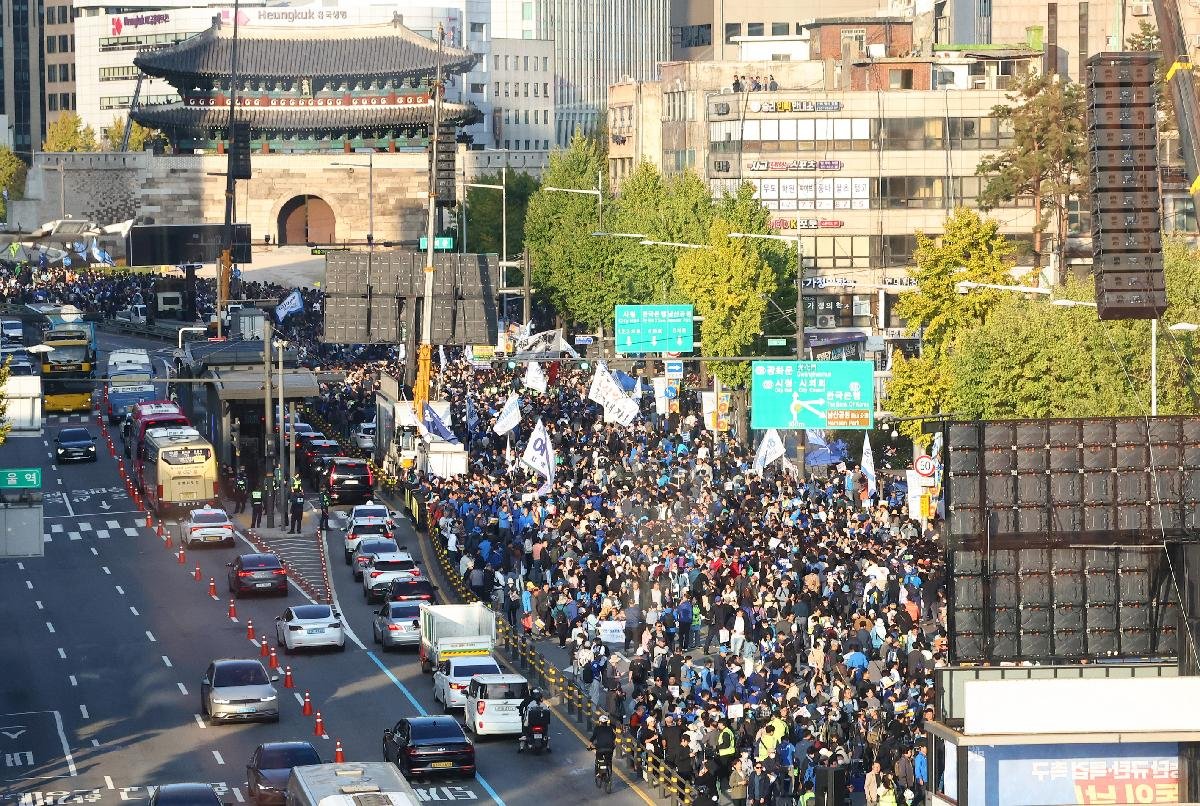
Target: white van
{"type": "Point", "coordinates": [12, 332]}
{"type": "Point", "coordinates": [492, 704]}
{"type": "Point", "coordinates": [344, 785]}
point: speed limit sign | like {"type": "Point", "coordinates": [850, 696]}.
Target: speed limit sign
{"type": "Point", "coordinates": [925, 466]}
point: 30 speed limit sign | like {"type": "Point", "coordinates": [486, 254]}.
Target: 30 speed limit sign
{"type": "Point", "coordinates": [925, 466]}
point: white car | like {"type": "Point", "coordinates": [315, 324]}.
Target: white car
{"type": "Point", "coordinates": [364, 437]}
{"type": "Point", "coordinates": [365, 528]}
{"type": "Point", "coordinates": [382, 569]}
{"type": "Point", "coordinates": [373, 510]}
{"type": "Point", "coordinates": [309, 627]}
{"type": "Point", "coordinates": [492, 704]}
{"type": "Point", "coordinates": [208, 525]}
{"type": "Point", "coordinates": [452, 677]}
{"type": "Point", "coordinates": [368, 547]}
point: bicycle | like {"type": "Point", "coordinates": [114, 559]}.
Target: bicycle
{"type": "Point", "coordinates": [603, 770]}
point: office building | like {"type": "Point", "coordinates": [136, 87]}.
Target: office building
{"type": "Point", "coordinates": [22, 79]}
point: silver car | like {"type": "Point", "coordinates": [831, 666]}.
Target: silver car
{"type": "Point", "coordinates": [207, 525]}
{"type": "Point", "coordinates": [238, 690]}
{"type": "Point", "coordinates": [368, 547]}
{"type": "Point", "coordinates": [397, 624]}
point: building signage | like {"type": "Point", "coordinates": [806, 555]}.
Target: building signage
{"type": "Point", "coordinates": [21, 478]}
{"type": "Point", "coordinates": [812, 394]}
{"type": "Point", "coordinates": [795, 106]}
{"type": "Point", "coordinates": [119, 24]}
{"type": "Point", "coordinates": [340, 101]}
{"type": "Point", "coordinates": [828, 282]}
{"type": "Point", "coordinates": [797, 165]}
{"type": "Point", "coordinates": [901, 282]}
{"type": "Point", "coordinates": [300, 15]}
{"type": "Point", "coordinates": [805, 223]}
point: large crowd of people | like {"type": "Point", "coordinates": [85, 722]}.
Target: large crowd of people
{"type": "Point", "coordinates": [770, 625]}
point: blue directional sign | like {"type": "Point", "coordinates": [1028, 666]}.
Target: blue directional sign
{"type": "Point", "coordinates": [812, 394]}
{"type": "Point", "coordinates": [654, 329]}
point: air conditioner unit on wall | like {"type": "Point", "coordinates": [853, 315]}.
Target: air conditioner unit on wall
{"type": "Point", "coordinates": [1141, 10]}
{"type": "Point", "coordinates": [826, 320]}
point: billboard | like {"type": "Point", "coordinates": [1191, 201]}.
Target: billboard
{"type": "Point", "coordinates": [654, 329]}
{"type": "Point", "coordinates": [836, 395]}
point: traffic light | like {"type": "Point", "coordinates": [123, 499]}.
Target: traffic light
{"type": "Point", "coordinates": [239, 150]}
{"type": "Point", "coordinates": [442, 164]}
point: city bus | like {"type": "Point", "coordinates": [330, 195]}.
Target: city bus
{"type": "Point", "coordinates": [64, 393]}
{"type": "Point", "coordinates": [176, 469]}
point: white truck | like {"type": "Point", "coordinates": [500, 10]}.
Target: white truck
{"type": "Point", "coordinates": [442, 627]}
{"type": "Point", "coordinates": [344, 785]}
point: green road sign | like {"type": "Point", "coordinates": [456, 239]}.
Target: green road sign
{"type": "Point", "coordinates": [21, 478]}
{"type": "Point", "coordinates": [441, 243]}
{"type": "Point", "coordinates": [654, 329]}
{"type": "Point", "coordinates": [812, 394]}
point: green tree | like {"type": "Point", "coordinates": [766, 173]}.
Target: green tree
{"type": "Point", "coordinates": [729, 284]}
{"type": "Point", "coordinates": [747, 214]}
{"type": "Point", "coordinates": [1147, 40]}
{"type": "Point", "coordinates": [68, 133]}
{"type": "Point", "coordinates": [485, 221]}
{"type": "Point", "coordinates": [1047, 160]}
{"type": "Point", "coordinates": [113, 134]}
{"type": "Point", "coordinates": [5, 425]}
{"type": "Point", "coordinates": [12, 178]}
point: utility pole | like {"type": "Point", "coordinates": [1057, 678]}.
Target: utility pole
{"type": "Point", "coordinates": [425, 351]}
{"type": "Point", "coordinates": [268, 424]}
{"type": "Point", "coordinates": [527, 289]}
{"type": "Point", "coordinates": [225, 266]}
{"type": "Point", "coordinates": [284, 424]}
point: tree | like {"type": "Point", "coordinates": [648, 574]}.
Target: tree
{"type": "Point", "coordinates": [484, 219]}
{"type": "Point", "coordinates": [12, 178]}
{"type": "Point", "coordinates": [729, 284]}
{"type": "Point", "coordinates": [5, 425]}
{"type": "Point", "coordinates": [68, 133]}
{"type": "Point", "coordinates": [1147, 40]}
{"type": "Point", "coordinates": [1047, 160]}
{"type": "Point", "coordinates": [113, 135]}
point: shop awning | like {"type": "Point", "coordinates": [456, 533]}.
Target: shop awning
{"type": "Point", "coordinates": [248, 384]}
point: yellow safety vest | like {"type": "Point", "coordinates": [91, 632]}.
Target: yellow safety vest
{"type": "Point", "coordinates": [724, 749]}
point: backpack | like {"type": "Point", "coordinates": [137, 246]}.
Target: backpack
{"type": "Point", "coordinates": [668, 619]}
{"type": "Point", "coordinates": [589, 674]}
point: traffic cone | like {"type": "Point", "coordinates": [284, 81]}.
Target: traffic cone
{"type": "Point", "coordinates": [212, 584]}
{"type": "Point", "coordinates": [287, 677]}
{"type": "Point", "coordinates": [339, 756]}
{"type": "Point", "coordinates": [149, 519]}
{"type": "Point", "coordinates": [232, 609]}
{"type": "Point", "coordinates": [319, 725]}
{"type": "Point", "coordinates": [264, 649]}
{"type": "Point", "coordinates": [112, 451]}
{"type": "Point", "coordinates": [167, 538]}
{"type": "Point", "coordinates": [307, 710]}
{"type": "Point", "coordinates": [250, 630]}
{"type": "Point", "coordinates": [159, 531]}
{"type": "Point", "coordinates": [273, 663]}
{"type": "Point", "coordinates": [196, 575]}
{"type": "Point", "coordinates": [182, 555]}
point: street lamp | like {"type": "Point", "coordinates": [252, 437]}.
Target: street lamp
{"type": "Point", "coordinates": [370, 193]}
{"type": "Point", "coordinates": [637, 235]}
{"type": "Point", "coordinates": [598, 193]}
{"type": "Point", "coordinates": [967, 286]}
{"type": "Point", "coordinates": [676, 244]}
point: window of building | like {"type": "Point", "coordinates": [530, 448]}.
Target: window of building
{"type": "Point", "coordinates": [695, 36]}
{"type": "Point", "coordinates": [72, 71]}
{"type": "Point", "coordinates": [546, 89]}
{"type": "Point", "coordinates": [507, 144]}
{"type": "Point", "coordinates": [732, 29]}
{"type": "Point", "coordinates": [901, 79]}
{"type": "Point", "coordinates": [478, 89]}
{"type": "Point", "coordinates": [52, 44]}
{"type": "Point", "coordinates": [505, 89]}
{"type": "Point", "coordinates": [51, 73]}
{"type": "Point", "coordinates": [525, 63]}
{"type": "Point", "coordinates": [780, 28]}
{"type": "Point", "coordinates": [857, 37]}
{"type": "Point", "coordinates": [755, 28]}
{"type": "Point", "coordinates": [64, 15]}
{"type": "Point", "coordinates": [525, 90]}
{"type": "Point", "coordinates": [545, 144]}
{"type": "Point", "coordinates": [546, 65]}
{"type": "Point", "coordinates": [527, 34]}
{"type": "Point", "coordinates": [535, 86]}
{"type": "Point", "coordinates": [497, 94]}
{"type": "Point", "coordinates": [477, 28]}
{"type": "Point", "coordinates": [496, 62]}
{"type": "Point", "coordinates": [66, 100]}
{"type": "Point", "coordinates": [66, 44]}
{"type": "Point", "coordinates": [526, 145]}
{"type": "Point", "coordinates": [527, 119]}
{"type": "Point", "coordinates": [527, 11]}
{"type": "Point", "coordinates": [52, 103]}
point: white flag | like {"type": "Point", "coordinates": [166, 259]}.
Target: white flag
{"type": "Point", "coordinates": [509, 416]}
{"type": "Point", "coordinates": [535, 379]}
{"type": "Point", "coordinates": [637, 389]}
{"type": "Point", "coordinates": [770, 449]}
{"type": "Point", "coordinates": [539, 456]}
{"type": "Point", "coordinates": [605, 390]}
{"type": "Point", "coordinates": [868, 464]}
{"type": "Point", "coordinates": [442, 357]}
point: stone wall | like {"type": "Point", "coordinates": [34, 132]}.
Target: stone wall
{"type": "Point", "coordinates": [189, 189]}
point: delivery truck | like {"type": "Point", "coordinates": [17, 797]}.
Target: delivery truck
{"type": "Point", "coordinates": [447, 629]}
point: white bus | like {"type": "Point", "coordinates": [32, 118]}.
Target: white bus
{"type": "Point", "coordinates": [343, 784]}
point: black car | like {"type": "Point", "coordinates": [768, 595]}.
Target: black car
{"type": "Point", "coordinates": [404, 590]}
{"type": "Point", "coordinates": [271, 765]}
{"type": "Point", "coordinates": [348, 480]}
{"type": "Point", "coordinates": [429, 745]}
{"type": "Point", "coordinates": [74, 445]}
{"type": "Point", "coordinates": [257, 573]}
{"type": "Point", "coordinates": [309, 459]}
{"type": "Point", "coordinates": [185, 795]}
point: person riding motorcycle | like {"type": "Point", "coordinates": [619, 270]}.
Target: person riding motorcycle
{"type": "Point", "coordinates": [533, 703]}
{"type": "Point", "coordinates": [603, 740]}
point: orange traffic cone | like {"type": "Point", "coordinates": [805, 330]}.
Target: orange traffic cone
{"type": "Point", "coordinates": [182, 556]}
{"type": "Point", "coordinates": [250, 630]}
{"type": "Point", "coordinates": [196, 574]}
{"type": "Point", "coordinates": [149, 519]}
{"type": "Point", "coordinates": [307, 710]}
{"type": "Point", "coordinates": [212, 586]}
{"type": "Point", "coordinates": [232, 609]}
{"type": "Point", "coordinates": [338, 755]}
{"type": "Point", "coordinates": [319, 726]}
{"type": "Point", "coordinates": [274, 659]}
{"type": "Point", "coordinates": [287, 677]}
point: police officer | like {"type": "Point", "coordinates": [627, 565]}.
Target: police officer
{"type": "Point", "coordinates": [240, 488]}
{"type": "Point", "coordinates": [256, 507]}
{"type": "Point", "coordinates": [325, 502]}
{"type": "Point", "coordinates": [297, 508]}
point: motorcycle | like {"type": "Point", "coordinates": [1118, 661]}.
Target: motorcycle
{"type": "Point", "coordinates": [536, 736]}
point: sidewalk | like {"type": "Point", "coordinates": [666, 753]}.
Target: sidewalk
{"type": "Point", "coordinates": [300, 554]}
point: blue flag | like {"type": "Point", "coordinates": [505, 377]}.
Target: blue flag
{"type": "Point", "coordinates": [472, 417]}
{"type": "Point", "coordinates": [818, 451]}
{"type": "Point", "coordinates": [434, 425]}
{"type": "Point", "coordinates": [292, 303]}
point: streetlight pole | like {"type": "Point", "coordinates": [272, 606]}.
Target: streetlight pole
{"type": "Point", "coordinates": [425, 351]}
{"type": "Point", "coordinates": [503, 188]}
{"type": "Point", "coordinates": [599, 194]}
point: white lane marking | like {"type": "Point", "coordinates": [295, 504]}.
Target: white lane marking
{"type": "Point", "coordinates": [38, 602]}
{"type": "Point", "coordinates": [134, 610]}
{"type": "Point", "coordinates": [66, 499]}
{"type": "Point", "coordinates": [74, 682]}
{"type": "Point", "coordinates": [60, 482]}
{"type": "Point", "coordinates": [199, 720]}
{"type": "Point", "coordinates": [217, 756]}
{"type": "Point", "coordinates": [29, 584]}
{"type": "Point", "coordinates": [95, 742]}
{"type": "Point", "coordinates": [166, 661]}
{"type": "Point", "coordinates": [150, 635]}
{"type": "Point", "coordinates": [182, 689]}
{"type": "Point", "coordinates": [108, 782]}
{"type": "Point", "coordinates": [299, 699]}
{"type": "Point", "coordinates": [62, 737]}
{"type": "Point", "coordinates": [101, 534]}
{"type": "Point", "coordinates": [105, 569]}
{"type": "Point", "coordinates": [94, 552]}
{"type": "Point", "coordinates": [62, 653]}
{"type": "Point", "coordinates": [120, 590]}
{"type": "Point", "coordinates": [131, 531]}
{"type": "Point", "coordinates": [74, 535]}
{"type": "Point", "coordinates": [20, 566]}
{"type": "Point", "coordinates": [47, 539]}
{"type": "Point", "coordinates": [56, 528]}
{"type": "Point", "coordinates": [237, 795]}
{"type": "Point", "coordinates": [49, 626]}
{"type": "Point", "coordinates": [83, 710]}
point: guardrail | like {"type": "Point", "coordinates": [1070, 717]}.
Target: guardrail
{"type": "Point", "coordinates": [165, 332]}
{"type": "Point", "coordinates": [523, 653]}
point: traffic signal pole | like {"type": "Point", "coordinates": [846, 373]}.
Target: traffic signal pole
{"type": "Point", "coordinates": [425, 351]}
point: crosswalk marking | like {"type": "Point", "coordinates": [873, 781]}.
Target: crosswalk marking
{"type": "Point", "coordinates": [131, 531]}
{"type": "Point", "coordinates": [55, 528]}
{"type": "Point", "coordinates": [113, 524]}
{"type": "Point", "coordinates": [85, 526]}
{"type": "Point", "coordinates": [74, 535]}
{"type": "Point", "coordinates": [102, 534]}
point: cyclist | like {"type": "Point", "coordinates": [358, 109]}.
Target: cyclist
{"type": "Point", "coordinates": [603, 741]}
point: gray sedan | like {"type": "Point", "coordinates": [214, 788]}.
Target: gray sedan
{"type": "Point", "coordinates": [238, 690]}
{"type": "Point", "coordinates": [397, 624]}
